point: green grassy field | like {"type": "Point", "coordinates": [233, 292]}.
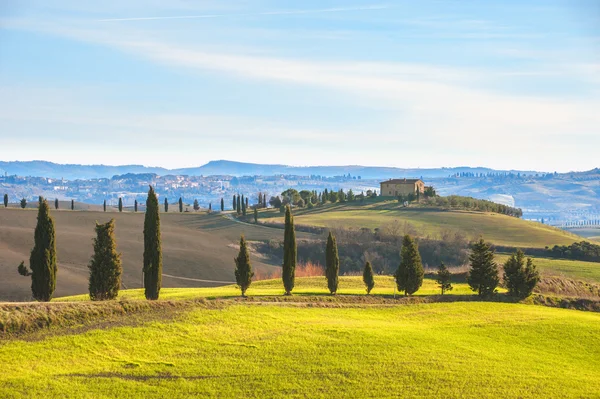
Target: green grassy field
{"type": "Point", "coordinates": [441, 350]}
{"type": "Point", "coordinates": [348, 285]}
{"type": "Point", "coordinates": [563, 267]}
{"type": "Point", "coordinates": [499, 229]}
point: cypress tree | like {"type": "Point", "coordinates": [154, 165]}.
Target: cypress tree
{"type": "Point", "coordinates": [409, 276]}
{"type": "Point", "coordinates": [135, 205]}
{"type": "Point", "coordinates": [180, 205]}
{"type": "Point", "coordinates": [483, 275]}
{"type": "Point", "coordinates": [443, 278]}
{"type": "Point", "coordinates": [332, 264]}
{"type": "Point", "coordinates": [105, 265]}
{"type": "Point", "coordinates": [23, 203]}
{"type": "Point", "coordinates": [234, 202]}
{"type": "Point", "coordinates": [210, 206]}
{"type": "Point", "coordinates": [197, 205]}
{"type": "Point", "coordinates": [244, 205]}
{"type": "Point", "coordinates": [56, 203]}
{"type": "Point", "coordinates": [104, 205]}
{"type": "Point", "coordinates": [239, 205]}
{"type": "Point", "coordinates": [166, 205]}
{"type": "Point", "coordinates": [243, 268]}
{"type": "Point", "coordinates": [43, 256]}
{"type": "Point", "coordinates": [368, 278]}
{"type": "Point", "coordinates": [6, 200]}
{"type": "Point", "coordinates": [265, 200]}
{"type": "Point", "coordinates": [289, 253]}
{"type": "Point", "coordinates": [520, 279]}
{"type": "Point", "coordinates": [152, 247]}
{"type": "Point", "coordinates": [72, 205]}
{"type": "Point", "coordinates": [222, 204]}
{"type": "Point", "coordinates": [256, 214]}
{"type": "Point", "coordinates": [120, 204]}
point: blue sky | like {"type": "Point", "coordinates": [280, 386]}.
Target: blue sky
{"type": "Point", "coordinates": [503, 84]}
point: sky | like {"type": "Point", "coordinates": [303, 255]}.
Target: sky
{"type": "Point", "coordinates": [177, 83]}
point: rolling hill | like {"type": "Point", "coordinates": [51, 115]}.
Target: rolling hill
{"type": "Point", "coordinates": [296, 349]}
{"type": "Point", "coordinates": [198, 248]}
{"type": "Point", "coordinates": [499, 229]}
{"type": "Point", "coordinates": [224, 167]}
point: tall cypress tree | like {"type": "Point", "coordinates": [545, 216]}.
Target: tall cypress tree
{"type": "Point", "coordinates": [265, 200]}
{"type": "Point", "coordinates": [244, 205]}
{"type": "Point", "coordinates": [56, 203]}
{"type": "Point", "coordinates": [180, 204]}
{"type": "Point", "coordinates": [152, 247]}
{"type": "Point", "coordinates": [409, 276]}
{"type": "Point", "coordinates": [256, 214]}
{"type": "Point", "coordinates": [239, 205]}
{"type": "Point", "coordinates": [166, 205]}
{"type": "Point", "coordinates": [234, 202]}
{"type": "Point", "coordinates": [222, 204]}
{"type": "Point", "coordinates": [105, 265]}
{"type": "Point", "coordinates": [104, 205]}
{"type": "Point", "coordinates": [210, 206]}
{"type": "Point", "coordinates": [332, 264]}
{"type": "Point", "coordinates": [72, 205]}
{"type": "Point", "coordinates": [135, 206]}
{"type": "Point", "coordinates": [368, 278]}
{"type": "Point", "coordinates": [243, 267]}
{"type": "Point", "coordinates": [6, 200]}
{"type": "Point", "coordinates": [43, 256]}
{"type": "Point", "coordinates": [120, 204]}
{"type": "Point", "coordinates": [289, 253]}
{"type": "Point", "coordinates": [483, 276]}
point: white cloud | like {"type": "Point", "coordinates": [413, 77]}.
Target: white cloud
{"type": "Point", "coordinates": [440, 106]}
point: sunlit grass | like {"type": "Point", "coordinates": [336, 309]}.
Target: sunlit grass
{"type": "Point", "coordinates": [449, 350]}
{"type": "Point", "coordinates": [499, 229]}
{"type": "Point", "coordinates": [348, 285]}
{"type": "Point", "coordinates": [575, 269]}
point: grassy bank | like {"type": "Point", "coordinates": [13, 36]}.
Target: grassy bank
{"type": "Point", "coordinates": [441, 350]}
{"type": "Point", "coordinates": [499, 229]}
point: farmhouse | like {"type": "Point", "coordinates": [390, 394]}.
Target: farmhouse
{"type": "Point", "coordinates": [396, 187]}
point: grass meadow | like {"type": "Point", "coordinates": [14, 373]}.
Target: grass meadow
{"type": "Point", "coordinates": [499, 229]}
{"type": "Point", "coordinates": [306, 286]}
{"type": "Point", "coordinates": [267, 350]}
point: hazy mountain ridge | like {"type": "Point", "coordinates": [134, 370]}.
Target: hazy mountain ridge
{"type": "Point", "coordinates": [232, 168]}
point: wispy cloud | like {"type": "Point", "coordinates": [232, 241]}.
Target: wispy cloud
{"type": "Point", "coordinates": [265, 13]}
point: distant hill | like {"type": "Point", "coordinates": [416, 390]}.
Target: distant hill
{"type": "Point", "coordinates": [223, 167]}
{"type": "Point", "coordinates": [72, 171]}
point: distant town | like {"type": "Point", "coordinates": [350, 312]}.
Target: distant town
{"type": "Point", "coordinates": [574, 202]}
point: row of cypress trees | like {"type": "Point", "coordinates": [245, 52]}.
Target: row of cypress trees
{"type": "Point", "coordinates": [243, 268]}
{"type": "Point", "coordinates": [520, 277]}
{"type": "Point", "coordinates": [105, 265]}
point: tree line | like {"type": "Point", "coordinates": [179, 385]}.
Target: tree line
{"type": "Point", "coordinates": [105, 264]}
{"type": "Point", "coordinates": [520, 274]}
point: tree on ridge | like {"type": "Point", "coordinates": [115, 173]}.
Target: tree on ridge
{"type": "Point", "coordinates": [105, 264]}
{"type": "Point", "coordinates": [42, 260]}
{"type": "Point", "coordinates": [152, 247]}
{"type": "Point", "coordinates": [243, 267]}
{"type": "Point", "coordinates": [332, 264]}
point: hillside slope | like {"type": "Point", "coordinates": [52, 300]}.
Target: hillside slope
{"type": "Point", "coordinates": [499, 229]}
{"type": "Point", "coordinates": [228, 349]}
{"type": "Point", "coordinates": [196, 246]}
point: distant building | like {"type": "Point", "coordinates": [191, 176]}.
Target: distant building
{"type": "Point", "coordinates": [396, 187]}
